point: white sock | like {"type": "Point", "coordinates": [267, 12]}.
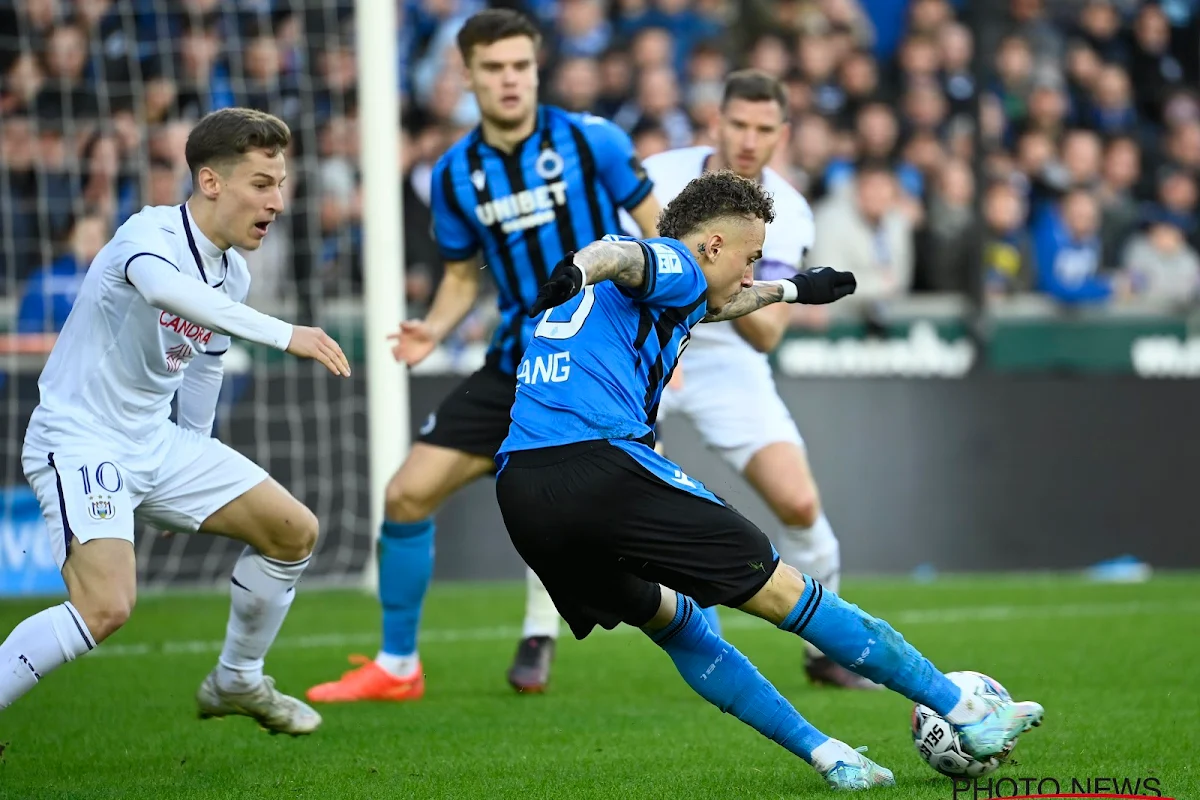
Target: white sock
{"type": "Point", "coordinates": [968, 709]}
{"type": "Point", "coordinates": [261, 594]}
{"type": "Point", "coordinates": [541, 617]}
{"type": "Point", "coordinates": [814, 551]}
{"type": "Point", "coordinates": [831, 751]}
{"type": "Point", "coordinates": [39, 645]}
{"type": "Point", "coordinates": [399, 666]}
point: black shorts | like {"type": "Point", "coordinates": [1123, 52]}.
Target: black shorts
{"type": "Point", "coordinates": [475, 416]}
{"type": "Point", "coordinates": [602, 531]}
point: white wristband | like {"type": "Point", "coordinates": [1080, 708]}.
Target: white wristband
{"type": "Point", "coordinates": [582, 272]}
{"type": "Point", "coordinates": [790, 292]}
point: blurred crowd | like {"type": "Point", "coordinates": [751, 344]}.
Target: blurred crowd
{"type": "Point", "coordinates": [1064, 137]}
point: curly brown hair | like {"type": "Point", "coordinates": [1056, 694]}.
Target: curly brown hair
{"type": "Point", "coordinates": [711, 196]}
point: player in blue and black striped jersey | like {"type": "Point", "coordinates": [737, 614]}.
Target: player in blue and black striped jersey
{"type": "Point", "coordinates": [510, 199]}
{"type": "Point", "coordinates": [619, 534]}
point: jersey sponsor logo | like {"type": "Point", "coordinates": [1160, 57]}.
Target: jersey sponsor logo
{"type": "Point", "coordinates": [526, 209]}
{"type": "Point", "coordinates": [101, 507]}
{"type": "Point", "coordinates": [668, 260]}
{"type": "Point", "coordinates": [178, 356]}
{"type": "Point", "coordinates": [188, 330]}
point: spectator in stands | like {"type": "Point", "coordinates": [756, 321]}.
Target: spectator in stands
{"type": "Point", "coordinates": [1067, 243]}
{"type": "Point", "coordinates": [866, 233]}
{"type": "Point", "coordinates": [657, 100]}
{"type": "Point", "coordinates": [1119, 208]}
{"type": "Point", "coordinates": [956, 49]}
{"type": "Point", "coordinates": [1031, 22]}
{"type": "Point", "coordinates": [812, 147]}
{"type": "Point", "coordinates": [1159, 264]}
{"type": "Point", "coordinates": [1154, 66]}
{"type": "Point", "coordinates": [1008, 266]}
{"type": "Point", "coordinates": [1113, 112]}
{"type": "Point", "coordinates": [946, 245]}
{"type": "Point", "coordinates": [1100, 26]}
{"type": "Point", "coordinates": [50, 291]}
{"type": "Point", "coordinates": [1014, 78]}
{"type": "Point", "coordinates": [577, 84]}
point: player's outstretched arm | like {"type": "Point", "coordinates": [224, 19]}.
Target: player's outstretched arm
{"type": "Point", "coordinates": [198, 302]}
{"type": "Point", "coordinates": [623, 263]}
{"type": "Point", "coordinates": [810, 287]}
{"type": "Point", "coordinates": [454, 298]}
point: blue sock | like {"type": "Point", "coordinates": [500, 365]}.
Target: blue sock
{"type": "Point", "coordinates": [724, 677]}
{"type": "Point", "coordinates": [714, 622]}
{"type": "Point", "coordinates": [405, 567]}
{"type": "Point", "coordinates": [868, 646]}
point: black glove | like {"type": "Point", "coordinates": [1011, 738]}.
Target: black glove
{"type": "Point", "coordinates": [563, 284]}
{"type": "Point", "coordinates": [822, 285]}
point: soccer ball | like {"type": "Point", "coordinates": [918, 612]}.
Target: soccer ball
{"type": "Point", "coordinates": [937, 742]}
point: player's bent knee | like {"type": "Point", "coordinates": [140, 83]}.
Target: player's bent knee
{"type": "Point", "coordinates": [294, 537]}
{"type": "Point", "coordinates": [104, 612]}
{"type": "Point", "coordinates": [778, 596]}
{"type": "Point", "coordinates": [801, 509]}
{"type": "Point", "coordinates": [403, 504]}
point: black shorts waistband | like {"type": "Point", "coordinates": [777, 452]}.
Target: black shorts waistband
{"type": "Point", "coordinates": [545, 456]}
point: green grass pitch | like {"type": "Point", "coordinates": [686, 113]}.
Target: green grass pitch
{"type": "Point", "coordinates": [1115, 665]}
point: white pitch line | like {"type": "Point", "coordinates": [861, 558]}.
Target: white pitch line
{"type": "Point", "coordinates": [499, 633]}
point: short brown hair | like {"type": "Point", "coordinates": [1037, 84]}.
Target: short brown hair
{"type": "Point", "coordinates": [711, 196]}
{"type": "Point", "coordinates": [494, 25]}
{"type": "Point", "coordinates": [224, 136]}
{"type": "Point", "coordinates": [755, 86]}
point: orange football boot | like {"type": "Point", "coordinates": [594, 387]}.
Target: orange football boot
{"type": "Point", "coordinates": [369, 681]}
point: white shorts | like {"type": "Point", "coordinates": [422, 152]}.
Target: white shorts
{"type": "Point", "coordinates": [91, 491]}
{"type": "Point", "coordinates": [733, 403]}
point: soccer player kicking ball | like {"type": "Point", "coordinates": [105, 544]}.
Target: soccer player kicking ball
{"type": "Point", "coordinates": [729, 392]}
{"type": "Point", "coordinates": [154, 315]}
{"type": "Point", "coordinates": [530, 184]}
{"type": "Point", "coordinates": [620, 534]}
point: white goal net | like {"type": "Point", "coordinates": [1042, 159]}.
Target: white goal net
{"type": "Point", "coordinates": [96, 102]}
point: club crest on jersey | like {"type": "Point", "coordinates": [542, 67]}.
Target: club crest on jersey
{"type": "Point", "coordinates": [188, 330]}
{"type": "Point", "coordinates": [101, 507]}
{"type": "Point", "coordinates": [478, 180]}
{"type": "Point", "coordinates": [549, 165]}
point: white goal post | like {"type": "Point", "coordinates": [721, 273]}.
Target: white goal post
{"type": "Point", "coordinates": [388, 424]}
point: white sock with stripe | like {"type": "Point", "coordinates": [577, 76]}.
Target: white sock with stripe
{"type": "Point", "coordinates": [39, 645]}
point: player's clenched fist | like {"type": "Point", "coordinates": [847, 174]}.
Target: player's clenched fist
{"type": "Point", "coordinates": [318, 345]}
{"type": "Point", "coordinates": [564, 283]}
{"type": "Point", "coordinates": [413, 342]}
{"type": "Point", "coordinates": [819, 286]}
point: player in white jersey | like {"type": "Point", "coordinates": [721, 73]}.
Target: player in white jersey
{"type": "Point", "coordinates": [727, 388]}
{"type": "Point", "coordinates": [153, 317]}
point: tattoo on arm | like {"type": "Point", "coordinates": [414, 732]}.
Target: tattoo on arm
{"type": "Point", "coordinates": [619, 262]}
{"type": "Point", "coordinates": [747, 301]}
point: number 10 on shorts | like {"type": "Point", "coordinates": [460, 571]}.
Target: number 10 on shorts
{"type": "Point", "coordinates": [99, 486]}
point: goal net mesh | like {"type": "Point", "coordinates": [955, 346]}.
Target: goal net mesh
{"type": "Point", "coordinates": [98, 98]}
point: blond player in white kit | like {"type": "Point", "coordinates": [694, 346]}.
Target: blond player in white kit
{"type": "Point", "coordinates": [727, 390]}
{"type": "Point", "coordinates": [153, 317]}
